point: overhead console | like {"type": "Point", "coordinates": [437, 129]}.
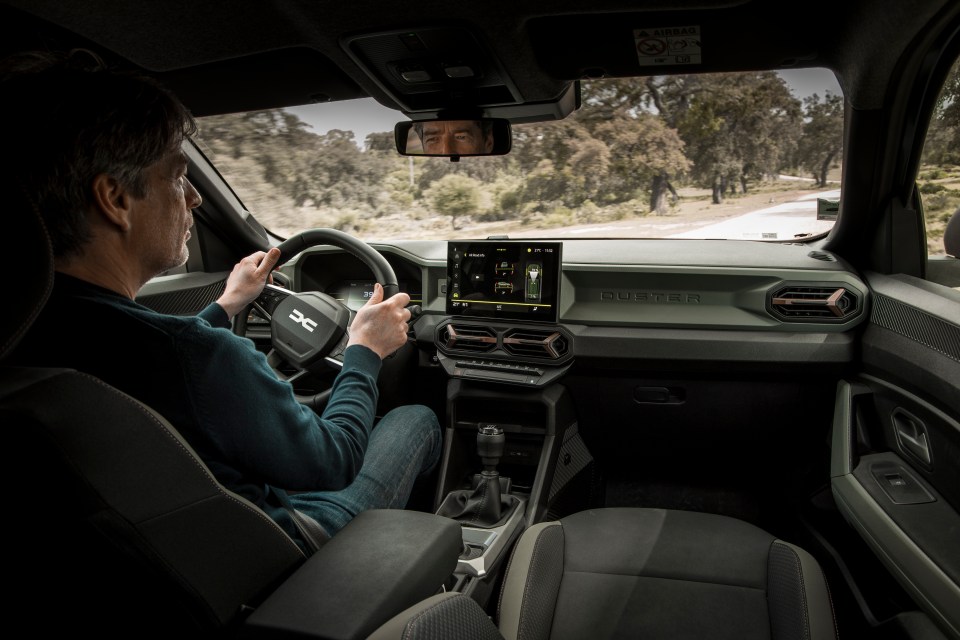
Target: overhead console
{"type": "Point", "coordinates": [429, 69]}
{"type": "Point", "coordinates": [423, 68]}
{"type": "Point", "coordinates": [503, 301]}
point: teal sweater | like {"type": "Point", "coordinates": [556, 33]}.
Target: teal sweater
{"type": "Point", "coordinates": [215, 388]}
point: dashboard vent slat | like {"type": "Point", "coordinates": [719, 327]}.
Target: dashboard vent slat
{"type": "Point", "coordinates": [469, 338]}
{"type": "Point", "coordinates": [815, 303]}
{"type": "Point", "coordinates": [535, 343]}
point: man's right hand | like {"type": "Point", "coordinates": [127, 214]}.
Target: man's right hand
{"type": "Point", "coordinates": [247, 280]}
{"type": "Point", "coordinates": [381, 325]}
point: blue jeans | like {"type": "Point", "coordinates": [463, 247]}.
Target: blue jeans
{"type": "Point", "coordinates": [404, 445]}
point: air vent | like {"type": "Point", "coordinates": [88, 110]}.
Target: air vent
{"type": "Point", "coordinates": [536, 343]}
{"type": "Point", "coordinates": [822, 256]}
{"type": "Point", "coordinates": [468, 338]}
{"type": "Point", "coordinates": [815, 304]}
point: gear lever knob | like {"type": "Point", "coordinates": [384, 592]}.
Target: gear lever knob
{"type": "Point", "coordinates": [490, 441]}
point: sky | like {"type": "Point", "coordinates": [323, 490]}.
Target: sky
{"type": "Point", "coordinates": [805, 82]}
{"type": "Point", "coordinates": [366, 115]}
{"type": "Point", "coordinates": [362, 116]}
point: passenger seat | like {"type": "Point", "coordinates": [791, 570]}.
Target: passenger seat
{"type": "Point", "coordinates": [640, 573]}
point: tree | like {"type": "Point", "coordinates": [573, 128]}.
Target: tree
{"type": "Point", "coordinates": [628, 114]}
{"type": "Point", "coordinates": [454, 195]}
{"type": "Point", "coordinates": [822, 141]}
{"type": "Point", "coordinates": [738, 127]}
{"type": "Point", "coordinates": [644, 151]}
{"type": "Point", "coordinates": [556, 141]}
{"type": "Point", "coordinates": [589, 166]}
{"type": "Point", "coordinates": [943, 138]}
{"type": "Point", "coordinates": [380, 141]}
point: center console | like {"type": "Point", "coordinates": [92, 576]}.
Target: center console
{"type": "Point", "coordinates": [511, 444]}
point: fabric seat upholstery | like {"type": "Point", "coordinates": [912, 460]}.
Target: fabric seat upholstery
{"type": "Point", "coordinates": [657, 573]}
{"type": "Point", "coordinates": [641, 573]}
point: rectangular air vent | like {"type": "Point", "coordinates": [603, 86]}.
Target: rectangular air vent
{"type": "Point", "coordinates": [536, 343]}
{"type": "Point", "coordinates": [799, 303]}
{"type": "Point", "coordinates": [468, 338]}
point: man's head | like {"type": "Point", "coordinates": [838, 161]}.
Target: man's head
{"type": "Point", "coordinates": [460, 137]}
{"type": "Point", "coordinates": [67, 121]}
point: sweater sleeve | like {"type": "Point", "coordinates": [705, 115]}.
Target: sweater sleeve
{"type": "Point", "coordinates": [215, 315]}
{"type": "Point", "coordinates": [255, 422]}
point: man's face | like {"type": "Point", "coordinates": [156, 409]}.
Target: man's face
{"type": "Point", "coordinates": [462, 137]}
{"type": "Point", "coordinates": [163, 215]}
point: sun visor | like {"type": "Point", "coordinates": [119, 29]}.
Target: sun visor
{"type": "Point", "coordinates": [281, 78]}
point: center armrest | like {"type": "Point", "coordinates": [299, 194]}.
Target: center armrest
{"type": "Point", "coordinates": [382, 562]}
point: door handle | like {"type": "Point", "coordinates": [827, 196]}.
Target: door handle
{"type": "Point", "coordinates": [912, 436]}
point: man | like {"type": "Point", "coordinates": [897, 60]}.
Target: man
{"type": "Point", "coordinates": [455, 137]}
{"type": "Point", "coordinates": [98, 155]}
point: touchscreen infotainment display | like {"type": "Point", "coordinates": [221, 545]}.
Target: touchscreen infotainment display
{"type": "Point", "coordinates": [508, 279]}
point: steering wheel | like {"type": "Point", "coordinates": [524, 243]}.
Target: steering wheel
{"type": "Point", "coordinates": [310, 327]}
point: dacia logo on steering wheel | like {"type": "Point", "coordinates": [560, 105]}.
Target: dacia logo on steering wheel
{"type": "Point", "coordinates": [307, 323]}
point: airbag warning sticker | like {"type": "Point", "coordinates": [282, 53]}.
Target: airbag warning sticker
{"type": "Point", "coordinates": [668, 45]}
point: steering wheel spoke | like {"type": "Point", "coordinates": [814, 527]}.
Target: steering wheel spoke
{"type": "Point", "coordinates": [335, 357]}
{"type": "Point", "coordinates": [269, 299]}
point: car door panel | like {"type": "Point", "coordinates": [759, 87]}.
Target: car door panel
{"type": "Point", "coordinates": [183, 293]}
{"type": "Point", "coordinates": [896, 444]}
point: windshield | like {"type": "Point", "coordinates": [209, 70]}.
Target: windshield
{"type": "Point", "coordinates": [735, 156]}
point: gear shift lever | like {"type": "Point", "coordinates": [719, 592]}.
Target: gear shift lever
{"type": "Point", "coordinates": [490, 440]}
{"type": "Point", "coordinates": [483, 506]}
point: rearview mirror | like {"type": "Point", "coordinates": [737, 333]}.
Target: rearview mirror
{"type": "Point", "coordinates": [454, 138]}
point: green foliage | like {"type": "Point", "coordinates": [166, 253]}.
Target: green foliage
{"type": "Point", "coordinates": [931, 187]}
{"type": "Point", "coordinates": [737, 127]}
{"type": "Point", "coordinates": [589, 213]}
{"type": "Point", "coordinates": [510, 201]}
{"type": "Point", "coordinates": [561, 216]}
{"type": "Point", "coordinates": [454, 195]}
{"type": "Point", "coordinates": [938, 202]}
{"type": "Point", "coordinates": [629, 209]}
{"type": "Point", "coordinates": [345, 222]}
{"type": "Point", "coordinates": [822, 142]}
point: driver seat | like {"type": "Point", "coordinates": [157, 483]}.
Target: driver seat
{"type": "Point", "coordinates": [105, 492]}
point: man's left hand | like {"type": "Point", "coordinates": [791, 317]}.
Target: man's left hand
{"type": "Point", "coordinates": [247, 279]}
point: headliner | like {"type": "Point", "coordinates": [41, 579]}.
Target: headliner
{"type": "Point", "coordinates": [231, 55]}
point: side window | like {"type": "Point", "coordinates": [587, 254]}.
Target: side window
{"type": "Point", "coordinates": [939, 185]}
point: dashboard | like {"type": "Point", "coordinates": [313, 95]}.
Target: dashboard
{"type": "Point", "coordinates": [613, 304]}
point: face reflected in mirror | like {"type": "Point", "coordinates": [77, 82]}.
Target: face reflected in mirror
{"type": "Point", "coordinates": [455, 137]}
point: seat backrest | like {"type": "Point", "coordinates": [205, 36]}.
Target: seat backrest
{"type": "Point", "coordinates": [119, 526]}
{"type": "Point", "coordinates": [107, 479]}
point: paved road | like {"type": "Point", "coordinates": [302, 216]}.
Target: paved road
{"type": "Point", "coordinates": [784, 221]}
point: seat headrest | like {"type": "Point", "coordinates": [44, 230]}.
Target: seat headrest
{"type": "Point", "coordinates": [31, 268]}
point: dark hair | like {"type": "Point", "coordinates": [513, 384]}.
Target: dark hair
{"type": "Point", "coordinates": [66, 118]}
